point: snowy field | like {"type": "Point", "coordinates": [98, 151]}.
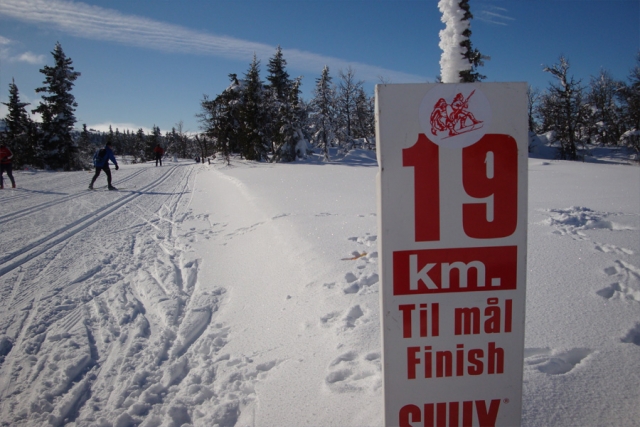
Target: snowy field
{"type": "Point", "coordinates": [248, 295]}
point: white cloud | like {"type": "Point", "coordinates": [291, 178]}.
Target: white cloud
{"type": "Point", "coordinates": [494, 15]}
{"type": "Point", "coordinates": [30, 57]}
{"type": "Point", "coordinates": [4, 41]}
{"type": "Point", "coordinates": [97, 23]}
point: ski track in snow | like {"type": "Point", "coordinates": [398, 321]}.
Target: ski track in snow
{"type": "Point", "coordinates": [131, 327]}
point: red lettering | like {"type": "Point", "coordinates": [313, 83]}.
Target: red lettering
{"type": "Point", "coordinates": [406, 319]}
{"type": "Point", "coordinates": [487, 418]}
{"type": "Point", "coordinates": [409, 414]}
{"type": "Point", "coordinates": [431, 271]}
{"type": "Point", "coordinates": [490, 171]}
{"type": "Point", "coordinates": [496, 359]}
{"type": "Point", "coordinates": [424, 158]}
{"type": "Point", "coordinates": [465, 362]}
{"type": "Point", "coordinates": [447, 414]}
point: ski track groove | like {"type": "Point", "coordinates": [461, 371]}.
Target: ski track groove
{"type": "Point", "coordinates": [75, 311]}
{"type": "Point", "coordinates": [20, 214]}
{"type": "Point", "coordinates": [42, 245]}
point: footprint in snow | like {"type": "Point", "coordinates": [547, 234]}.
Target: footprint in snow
{"type": "Point", "coordinates": [367, 240]}
{"type": "Point", "coordinates": [348, 321]}
{"type": "Point", "coordinates": [357, 284]}
{"type": "Point", "coordinates": [627, 286]}
{"type": "Point", "coordinates": [633, 335]}
{"type": "Point", "coordinates": [553, 362]}
{"type": "Point", "coordinates": [351, 371]}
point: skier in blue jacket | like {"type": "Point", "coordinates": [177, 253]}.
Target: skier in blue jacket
{"type": "Point", "coordinates": [101, 162]}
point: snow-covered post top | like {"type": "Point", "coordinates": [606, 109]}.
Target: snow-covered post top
{"type": "Point", "coordinates": [452, 60]}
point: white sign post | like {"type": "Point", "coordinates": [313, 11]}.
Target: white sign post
{"type": "Point", "coordinates": [452, 194]}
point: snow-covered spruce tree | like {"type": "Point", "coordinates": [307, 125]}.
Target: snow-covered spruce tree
{"type": "Point", "coordinates": [251, 135]}
{"type": "Point", "coordinates": [562, 110]}
{"type": "Point", "coordinates": [606, 124]}
{"type": "Point", "coordinates": [178, 142]}
{"type": "Point", "coordinates": [365, 122]}
{"type": "Point", "coordinates": [294, 113]}
{"type": "Point", "coordinates": [57, 110]}
{"type": "Point", "coordinates": [220, 118]}
{"type": "Point", "coordinates": [322, 113]}
{"type": "Point", "coordinates": [346, 95]}
{"type": "Point", "coordinates": [139, 146]}
{"type": "Point", "coordinates": [20, 132]}
{"type": "Point", "coordinates": [283, 107]}
{"type": "Point", "coordinates": [473, 55]}
{"type": "Point", "coordinates": [86, 148]}
{"type": "Point", "coordinates": [629, 96]}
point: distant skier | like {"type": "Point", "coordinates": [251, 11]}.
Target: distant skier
{"type": "Point", "coordinates": [6, 157]}
{"type": "Point", "coordinates": [101, 162]}
{"type": "Point", "coordinates": [158, 151]}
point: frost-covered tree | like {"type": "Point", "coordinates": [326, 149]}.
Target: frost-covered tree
{"type": "Point", "coordinates": [460, 60]}
{"type": "Point", "coordinates": [629, 96]}
{"type": "Point", "coordinates": [533, 96]}
{"type": "Point", "coordinates": [471, 54]}
{"type": "Point", "coordinates": [220, 118]}
{"type": "Point", "coordinates": [251, 135]}
{"type": "Point", "coordinates": [322, 113]}
{"type": "Point", "coordinates": [606, 125]}
{"type": "Point", "coordinates": [346, 95]}
{"type": "Point", "coordinates": [57, 110]}
{"type": "Point", "coordinates": [562, 110]}
{"type": "Point", "coordinates": [138, 146]}
{"type": "Point", "coordinates": [284, 111]}
{"type": "Point", "coordinates": [20, 129]}
{"type": "Point", "coordinates": [180, 141]}
{"type": "Point", "coordinates": [365, 122]}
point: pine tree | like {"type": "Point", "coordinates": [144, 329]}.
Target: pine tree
{"type": "Point", "coordinates": [346, 106]}
{"type": "Point", "coordinates": [57, 111]}
{"type": "Point", "coordinates": [278, 77]}
{"type": "Point", "coordinates": [473, 55]}
{"type": "Point", "coordinates": [283, 107]}
{"type": "Point", "coordinates": [365, 122]}
{"type": "Point", "coordinates": [139, 144]}
{"type": "Point", "coordinates": [19, 135]}
{"type": "Point", "coordinates": [323, 112]}
{"type": "Point", "coordinates": [251, 135]}
{"type": "Point", "coordinates": [629, 96]}
{"type": "Point", "coordinates": [85, 147]}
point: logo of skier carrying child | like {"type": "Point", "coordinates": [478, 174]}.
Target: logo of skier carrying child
{"type": "Point", "coordinates": [455, 116]}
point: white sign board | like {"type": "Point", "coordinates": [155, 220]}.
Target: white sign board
{"type": "Point", "coordinates": [452, 194]}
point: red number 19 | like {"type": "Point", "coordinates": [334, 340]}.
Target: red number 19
{"type": "Point", "coordinates": [489, 172]}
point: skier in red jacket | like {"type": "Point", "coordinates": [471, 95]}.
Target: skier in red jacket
{"type": "Point", "coordinates": [158, 151]}
{"type": "Point", "coordinates": [6, 156]}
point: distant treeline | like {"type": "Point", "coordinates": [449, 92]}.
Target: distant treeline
{"type": "Point", "coordinates": [269, 121]}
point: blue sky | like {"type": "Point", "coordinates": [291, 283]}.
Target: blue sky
{"type": "Point", "coordinates": [146, 62]}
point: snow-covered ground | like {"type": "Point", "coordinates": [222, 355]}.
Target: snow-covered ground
{"type": "Point", "coordinates": [248, 295]}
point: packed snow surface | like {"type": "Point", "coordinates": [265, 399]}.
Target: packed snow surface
{"type": "Point", "coordinates": [248, 295]}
